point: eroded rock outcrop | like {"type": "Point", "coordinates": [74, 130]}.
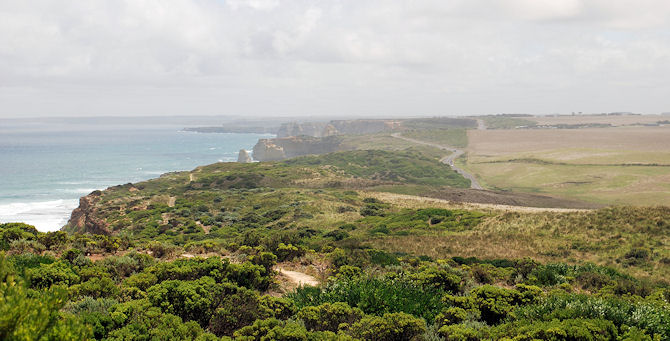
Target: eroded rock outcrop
{"type": "Point", "coordinates": [243, 157]}
{"type": "Point", "coordinates": [267, 150]}
{"type": "Point", "coordinates": [287, 147]}
{"type": "Point", "coordinates": [83, 218]}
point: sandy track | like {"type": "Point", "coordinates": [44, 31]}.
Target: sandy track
{"type": "Point", "coordinates": [299, 278]}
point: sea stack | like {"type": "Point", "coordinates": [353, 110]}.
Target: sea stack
{"type": "Point", "coordinates": [243, 156]}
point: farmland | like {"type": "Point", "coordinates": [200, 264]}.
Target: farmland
{"type": "Point", "coordinates": [623, 165]}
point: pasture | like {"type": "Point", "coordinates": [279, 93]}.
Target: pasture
{"type": "Point", "coordinates": [622, 165]}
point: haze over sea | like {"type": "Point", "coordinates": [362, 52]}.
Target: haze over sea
{"type": "Point", "coordinates": [47, 164]}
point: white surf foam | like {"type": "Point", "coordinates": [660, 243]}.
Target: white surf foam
{"type": "Point", "coordinates": [78, 190]}
{"type": "Point", "coordinates": [44, 215]}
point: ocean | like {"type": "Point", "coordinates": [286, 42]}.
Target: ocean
{"type": "Point", "coordinates": [47, 164]}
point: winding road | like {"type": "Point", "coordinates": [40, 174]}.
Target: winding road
{"type": "Point", "coordinates": [448, 160]}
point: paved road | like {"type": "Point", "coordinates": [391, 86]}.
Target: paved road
{"type": "Point", "coordinates": [448, 160]}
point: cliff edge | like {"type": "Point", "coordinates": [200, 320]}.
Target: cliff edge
{"type": "Point", "coordinates": [83, 218]}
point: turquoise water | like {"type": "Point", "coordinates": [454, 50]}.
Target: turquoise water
{"type": "Point", "coordinates": [46, 166]}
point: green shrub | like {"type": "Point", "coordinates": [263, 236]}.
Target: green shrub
{"type": "Point", "coordinates": [336, 235]}
{"type": "Point", "coordinates": [495, 303]}
{"type": "Point", "coordinates": [93, 313]}
{"type": "Point", "coordinates": [569, 329]}
{"type": "Point", "coordinates": [138, 320]}
{"type": "Point", "coordinates": [22, 262]}
{"type": "Point", "coordinates": [348, 272]}
{"type": "Point", "coordinates": [443, 278]}
{"type": "Point", "coordinates": [391, 327]}
{"type": "Point", "coordinates": [30, 315]}
{"type": "Point", "coordinates": [278, 307]}
{"type": "Point", "coordinates": [383, 258]}
{"type": "Point", "coordinates": [47, 275]}
{"type": "Point", "coordinates": [329, 316]}
{"type": "Point", "coordinates": [459, 332]}
{"type": "Point", "coordinates": [375, 295]}
{"type": "Point", "coordinates": [142, 281]}
{"type": "Point", "coordinates": [453, 315]}
{"type": "Point", "coordinates": [288, 252]}
{"type": "Point", "coordinates": [274, 329]}
{"type": "Point", "coordinates": [239, 308]}
{"type": "Point", "coordinates": [96, 287]}
{"type": "Point", "coordinates": [190, 300]}
{"type": "Point", "coordinates": [654, 317]}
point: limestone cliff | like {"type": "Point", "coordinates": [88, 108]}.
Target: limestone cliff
{"type": "Point", "coordinates": [287, 147]}
{"type": "Point", "coordinates": [337, 127]}
{"type": "Point", "coordinates": [314, 129]}
{"type": "Point", "coordinates": [359, 127]}
{"type": "Point", "coordinates": [83, 218]}
{"type": "Point", "coordinates": [267, 150]}
{"type": "Point", "coordinates": [243, 156]}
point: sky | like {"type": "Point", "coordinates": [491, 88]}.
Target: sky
{"type": "Point", "coordinates": [339, 57]}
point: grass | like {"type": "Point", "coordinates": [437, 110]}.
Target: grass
{"type": "Point", "coordinates": [503, 122]}
{"type": "Point", "coordinates": [606, 184]}
{"type": "Point", "coordinates": [604, 236]}
{"type": "Point", "coordinates": [447, 137]}
{"type": "Point", "coordinates": [403, 166]}
{"type": "Point", "coordinates": [607, 166]}
{"type": "Point", "coordinates": [439, 123]}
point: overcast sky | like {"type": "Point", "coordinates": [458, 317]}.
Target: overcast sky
{"type": "Point", "coordinates": [358, 57]}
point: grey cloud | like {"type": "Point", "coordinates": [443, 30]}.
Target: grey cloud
{"type": "Point", "coordinates": [350, 57]}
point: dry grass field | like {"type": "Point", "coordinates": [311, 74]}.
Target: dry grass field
{"type": "Point", "coordinates": [600, 236]}
{"type": "Point", "coordinates": [592, 119]}
{"type": "Point", "coordinates": [623, 165]}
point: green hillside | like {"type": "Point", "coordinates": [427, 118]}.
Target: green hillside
{"type": "Point", "coordinates": [203, 255]}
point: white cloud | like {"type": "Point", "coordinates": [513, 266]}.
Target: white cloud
{"type": "Point", "coordinates": [316, 56]}
{"type": "Point", "coordinates": [263, 5]}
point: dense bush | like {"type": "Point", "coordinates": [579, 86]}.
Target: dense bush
{"type": "Point", "coordinates": [329, 316]}
{"type": "Point", "coordinates": [138, 320]}
{"type": "Point", "coordinates": [273, 329]}
{"type": "Point", "coordinates": [34, 315]}
{"type": "Point", "coordinates": [569, 329]}
{"type": "Point", "coordinates": [375, 295]}
{"type": "Point", "coordinates": [652, 316]}
{"type": "Point", "coordinates": [495, 303]}
{"type": "Point", "coordinates": [391, 327]}
{"type": "Point", "coordinates": [47, 275]}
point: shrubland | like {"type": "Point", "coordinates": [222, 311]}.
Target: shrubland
{"type": "Point", "coordinates": [194, 255]}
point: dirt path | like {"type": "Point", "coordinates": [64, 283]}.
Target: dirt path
{"type": "Point", "coordinates": [448, 160]}
{"type": "Point", "coordinates": [172, 201]}
{"type": "Point", "coordinates": [191, 177]}
{"type": "Point", "coordinates": [299, 278]}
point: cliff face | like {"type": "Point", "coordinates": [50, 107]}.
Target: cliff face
{"type": "Point", "coordinates": [314, 129]}
{"type": "Point", "coordinates": [359, 127]}
{"type": "Point", "coordinates": [287, 147]}
{"type": "Point", "coordinates": [267, 150]}
{"type": "Point", "coordinates": [83, 218]}
{"type": "Point", "coordinates": [336, 127]}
